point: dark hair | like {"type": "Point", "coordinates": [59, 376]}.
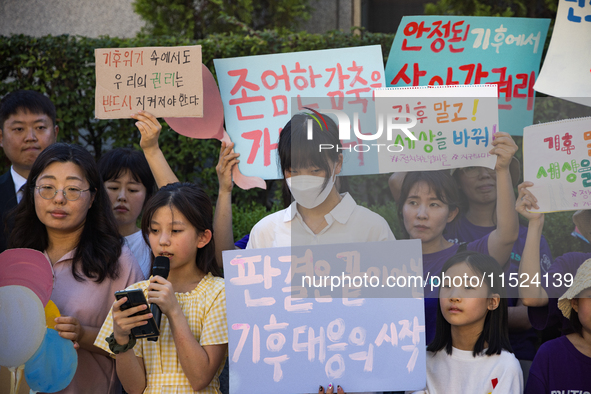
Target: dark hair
{"type": "Point", "coordinates": [495, 331]}
{"type": "Point", "coordinates": [441, 182]}
{"type": "Point", "coordinates": [195, 205]}
{"type": "Point", "coordinates": [99, 246]}
{"type": "Point", "coordinates": [296, 151]}
{"type": "Point", "coordinates": [115, 162]}
{"type": "Point", "coordinates": [575, 322]}
{"type": "Point", "coordinates": [28, 101]}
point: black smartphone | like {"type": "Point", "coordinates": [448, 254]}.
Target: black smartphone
{"type": "Point", "coordinates": [136, 297]}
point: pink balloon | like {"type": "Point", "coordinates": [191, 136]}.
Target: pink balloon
{"type": "Point", "coordinates": [211, 125]}
{"type": "Point", "coordinates": [29, 268]}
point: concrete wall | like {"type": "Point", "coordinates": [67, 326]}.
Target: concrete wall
{"type": "Point", "coordinates": [329, 15]}
{"type": "Point", "coordinates": [90, 18]}
{"type": "Point", "coordinates": [116, 18]}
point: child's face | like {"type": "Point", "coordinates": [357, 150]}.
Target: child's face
{"type": "Point", "coordinates": [582, 305]}
{"type": "Point", "coordinates": [425, 216]}
{"type": "Point", "coordinates": [173, 236]}
{"type": "Point", "coordinates": [127, 198]}
{"type": "Point", "coordinates": [463, 302]}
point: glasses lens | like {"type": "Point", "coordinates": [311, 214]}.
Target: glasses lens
{"type": "Point", "coordinates": [72, 193]}
{"type": "Point", "coordinates": [47, 192]}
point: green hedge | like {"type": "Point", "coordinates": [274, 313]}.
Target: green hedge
{"type": "Point", "coordinates": [63, 68]}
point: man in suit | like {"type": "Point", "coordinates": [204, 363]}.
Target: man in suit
{"type": "Point", "coordinates": [27, 126]}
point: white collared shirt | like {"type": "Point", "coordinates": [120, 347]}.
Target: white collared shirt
{"type": "Point", "coordinates": [19, 182]}
{"type": "Point", "coordinates": [347, 222]}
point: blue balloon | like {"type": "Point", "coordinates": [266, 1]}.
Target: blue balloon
{"type": "Point", "coordinates": [53, 366]}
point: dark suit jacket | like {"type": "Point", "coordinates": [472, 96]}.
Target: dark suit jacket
{"type": "Point", "coordinates": [7, 202]}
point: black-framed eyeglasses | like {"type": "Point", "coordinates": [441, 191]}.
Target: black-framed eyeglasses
{"type": "Point", "coordinates": [70, 193]}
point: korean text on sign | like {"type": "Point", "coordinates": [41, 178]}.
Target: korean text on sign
{"type": "Point", "coordinates": [165, 81]}
{"type": "Point", "coordinates": [438, 50]}
{"type": "Point", "coordinates": [566, 72]}
{"type": "Point", "coordinates": [557, 159]}
{"type": "Point", "coordinates": [454, 126]}
{"type": "Point", "coordinates": [276, 337]}
{"type": "Point", "coordinates": [257, 93]}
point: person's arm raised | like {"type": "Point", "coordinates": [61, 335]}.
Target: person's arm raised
{"type": "Point", "coordinates": [534, 294]}
{"type": "Point", "coordinates": [150, 128]}
{"type": "Point", "coordinates": [222, 219]}
{"type": "Point", "coordinates": [395, 184]}
{"type": "Point", "coordinates": [501, 240]}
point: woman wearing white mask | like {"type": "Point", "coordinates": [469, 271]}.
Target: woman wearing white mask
{"type": "Point", "coordinates": [319, 214]}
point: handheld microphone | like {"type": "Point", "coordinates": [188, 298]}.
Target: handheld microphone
{"type": "Point", "coordinates": [161, 267]}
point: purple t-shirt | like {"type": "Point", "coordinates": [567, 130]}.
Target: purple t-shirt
{"type": "Point", "coordinates": [559, 368]}
{"type": "Point", "coordinates": [462, 230]}
{"type": "Point", "coordinates": [432, 265]}
{"type": "Point", "coordinates": [550, 315]}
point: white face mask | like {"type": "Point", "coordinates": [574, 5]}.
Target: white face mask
{"type": "Point", "coordinates": [307, 189]}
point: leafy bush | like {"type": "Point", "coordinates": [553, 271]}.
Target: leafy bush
{"type": "Point", "coordinates": [63, 68]}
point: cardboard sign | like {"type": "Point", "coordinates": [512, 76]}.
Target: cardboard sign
{"type": "Point", "coordinates": [451, 50]}
{"type": "Point", "coordinates": [454, 127]}
{"type": "Point", "coordinates": [165, 81]}
{"type": "Point", "coordinates": [566, 71]}
{"type": "Point", "coordinates": [257, 92]}
{"type": "Point", "coordinates": [557, 159]}
{"type": "Point", "coordinates": [280, 342]}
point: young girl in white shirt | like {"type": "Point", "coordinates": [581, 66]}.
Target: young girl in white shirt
{"type": "Point", "coordinates": [471, 352]}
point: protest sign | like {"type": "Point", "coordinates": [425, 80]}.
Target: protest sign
{"type": "Point", "coordinates": [165, 81]}
{"type": "Point", "coordinates": [557, 159]}
{"type": "Point", "coordinates": [451, 50]}
{"type": "Point", "coordinates": [281, 342]}
{"type": "Point", "coordinates": [257, 92]}
{"type": "Point", "coordinates": [454, 127]}
{"type": "Point", "coordinates": [566, 72]}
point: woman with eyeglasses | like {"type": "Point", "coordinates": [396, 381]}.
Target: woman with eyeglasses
{"type": "Point", "coordinates": [66, 214]}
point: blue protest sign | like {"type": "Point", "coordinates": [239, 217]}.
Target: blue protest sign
{"type": "Point", "coordinates": [257, 92]}
{"type": "Point", "coordinates": [282, 341]}
{"type": "Point", "coordinates": [451, 50]}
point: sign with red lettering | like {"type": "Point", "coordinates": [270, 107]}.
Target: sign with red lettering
{"type": "Point", "coordinates": [257, 93]}
{"type": "Point", "coordinates": [557, 159]}
{"type": "Point", "coordinates": [165, 81]}
{"type": "Point", "coordinates": [460, 50]}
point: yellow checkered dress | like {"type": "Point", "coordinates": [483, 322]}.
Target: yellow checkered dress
{"type": "Point", "coordinates": [205, 310]}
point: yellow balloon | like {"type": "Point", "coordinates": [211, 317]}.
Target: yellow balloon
{"type": "Point", "coordinates": [51, 312]}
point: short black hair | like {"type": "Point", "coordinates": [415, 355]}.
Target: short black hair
{"type": "Point", "coordinates": [496, 324]}
{"type": "Point", "coordinates": [115, 162]}
{"type": "Point", "coordinates": [441, 182]}
{"type": "Point", "coordinates": [28, 101]}
{"type": "Point", "coordinates": [297, 151]}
